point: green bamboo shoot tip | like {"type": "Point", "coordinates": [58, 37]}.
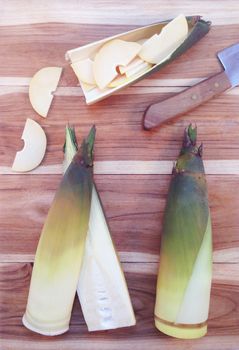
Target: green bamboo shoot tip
{"type": "Point", "coordinates": [70, 147]}
{"type": "Point", "coordinates": [185, 270]}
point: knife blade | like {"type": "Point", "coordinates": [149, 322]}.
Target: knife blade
{"type": "Point", "coordinates": [194, 96]}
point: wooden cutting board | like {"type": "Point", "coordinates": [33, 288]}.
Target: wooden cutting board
{"type": "Point", "coordinates": [132, 166]}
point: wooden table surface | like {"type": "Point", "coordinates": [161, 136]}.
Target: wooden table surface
{"type": "Point", "coordinates": [132, 166]}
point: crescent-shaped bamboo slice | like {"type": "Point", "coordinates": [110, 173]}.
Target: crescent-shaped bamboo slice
{"type": "Point", "coordinates": [41, 87]}
{"type": "Point", "coordinates": [34, 148]}
{"type": "Point", "coordinates": [132, 65]}
{"type": "Point", "coordinates": [159, 47]}
{"type": "Point", "coordinates": [84, 71]}
{"type": "Point", "coordinates": [112, 54]}
{"type": "Point", "coordinates": [122, 79]}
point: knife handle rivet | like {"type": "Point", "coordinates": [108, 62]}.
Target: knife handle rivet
{"type": "Point", "coordinates": [194, 97]}
{"type": "Point", "coordinates": [216, 85]}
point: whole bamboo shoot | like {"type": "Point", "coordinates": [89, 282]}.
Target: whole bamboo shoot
{"type": "Point", "coordinates": [102, 289]}
{"type": "Point", "coordinates": [185, 270]}
{"type": "Point", "coordinates": [61, 246]}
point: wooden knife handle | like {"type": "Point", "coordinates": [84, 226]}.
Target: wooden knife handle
{"type": "Point", "coordinates": [186, 100]}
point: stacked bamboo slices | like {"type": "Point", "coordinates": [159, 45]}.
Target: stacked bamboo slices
{"type": "Point", "coordinates": [118, 61]}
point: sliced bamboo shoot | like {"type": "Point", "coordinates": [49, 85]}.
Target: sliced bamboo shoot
{"type": "Point", "coordinates": [34, 148]}
{"type": "Point", "coordinates": [123, 79]}
{"type": "Point", "coordinates": [144, 66]}
{"type": "Point", "coordinates": [161, 46]}
{"type": "Point", "coordinates": [102, 288]}
{"type": "Point", "coordinates": [197, 28]}
{"type": "Point", "coordinates": [133, 64]}
{"type": "Point", "coordinates": [84, 71]}
{"type": "Point", "coordinates": [87, 87]}
{"type": "Point", "coordinates": [42, 85]}
{"type": "Point", "coordinates": [112, 54]}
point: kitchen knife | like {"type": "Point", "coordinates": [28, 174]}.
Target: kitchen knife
{"type": "Point", "coordinates": [192, 97]}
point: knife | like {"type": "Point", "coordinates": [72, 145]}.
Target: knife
{"type": "Point", "coordinates": [192, 97]}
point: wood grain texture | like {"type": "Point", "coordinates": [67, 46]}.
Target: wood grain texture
{"type": "Point", "coordinates": [100, 11]}
{"type": "Point", "coordinates": [223, 319]}
{"type": "Point", "coordinates": [67, 36]}
{"type": "Point", "coordinates": [135, 167]}
{"type": "Point", "coordinates": [132, 165]}
{"type": "Point", "coordinates": [134, 206]}
{"type": "Point", "coordinates": [217, 121]}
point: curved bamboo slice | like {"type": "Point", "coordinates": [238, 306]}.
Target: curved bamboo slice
{"type": "Point", "coordinates": [42, 85]}
{"type": "Point", "coordinates": [34, 148]}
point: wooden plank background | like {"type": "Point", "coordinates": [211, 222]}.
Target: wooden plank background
{"type": "Point", "coordinates": [132, 166]}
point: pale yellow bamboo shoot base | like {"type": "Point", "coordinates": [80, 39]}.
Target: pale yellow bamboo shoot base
{"type": "Point", "coordinates": [183, 331]}
{"type": "Point", "coordinates": [50, 330]}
